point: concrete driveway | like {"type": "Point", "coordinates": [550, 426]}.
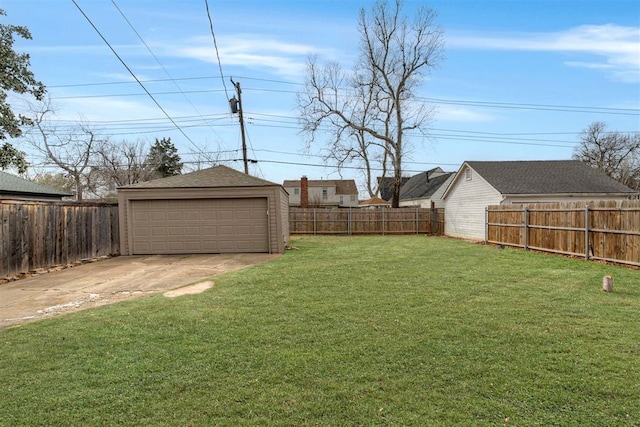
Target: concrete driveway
{"type": "Point", "coordinates": [111, 280]}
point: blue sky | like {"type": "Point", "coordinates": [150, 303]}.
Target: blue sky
{"type": "Point", "coordinates": [519, 81]}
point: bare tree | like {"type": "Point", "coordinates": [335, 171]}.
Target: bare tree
{"type": "Point", "coordinates": [70, 149]}
{"type": "Point", "coordinates": [207, 158]}
{"type": "Point", "coordinates": [616, 154]}
{"type": "Point", "coordinates": [368, 112]}
{"type": "Point", "coordinates": [118, 164]}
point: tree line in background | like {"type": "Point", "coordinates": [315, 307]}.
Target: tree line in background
{"type": "Point", "coordinates": [95, 166]}
{"type": "Point", "coordinates": [617, 154]}
{"type": "Point", "coordinates": [366, 126]}
{"type": "Point", "coordinates": [89, 164]}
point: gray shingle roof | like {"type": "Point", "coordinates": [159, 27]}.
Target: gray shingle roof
{"type": "Point", "coordinates": [422, 186]}
{"type": "Point", "coordinates": [215, 177]}
{"type": "Point", "coordinates": [547, 177]}
{"type": "Point", "coordinates": [385, 186]}
{"type": "Point", "coordinates": [16, 185]}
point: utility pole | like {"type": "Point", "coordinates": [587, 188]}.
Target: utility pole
{"type": "Point", "coordinates": [236, 107]}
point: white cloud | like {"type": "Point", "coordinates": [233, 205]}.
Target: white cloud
{"type": "Point", "coordinates": [282, 58]}
{"type": "Point", "coordinates": [449, 113]}
{"type": "Point", "coordinates": [241, 51]}
{"type": "Point", "coordinates": [592, 65]}
{"type": "Point", "coordinates": [618, 46]}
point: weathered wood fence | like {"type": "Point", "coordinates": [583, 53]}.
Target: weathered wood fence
{"type": "Point", "coordinates": [607, 231]}
{"type": "Point", "coordinates": [366, 221]}
{"type": "Point", "coordinates": [37, 235]}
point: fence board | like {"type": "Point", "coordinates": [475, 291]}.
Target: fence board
{"type": "Point", "coordinates": [37, 235]}
{"type": "Point", "coordinates": [366, 221]}
{"type": "Point", "coordinates": [608, 231]}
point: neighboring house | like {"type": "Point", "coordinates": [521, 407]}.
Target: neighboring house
{"type": "Point", "coordinates": [375, 202]}
{"type": "Point", "coordinates": [214, 210]}
{"type": "Point", "coordinates": [481, 184]}
{"type": "Point", "coordinates": [385, 186]}
{"type": "Point", "coordinates": [425, 189]}
{"type": "Point", "coordinates": [16, 188]}
{"type": "Point", "coordinates": [322, 193]}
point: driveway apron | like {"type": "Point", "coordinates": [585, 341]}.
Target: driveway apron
{"type": "Point", "coordinates": [107, 281]}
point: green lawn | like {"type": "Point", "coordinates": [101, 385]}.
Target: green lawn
{"type": "Point", "coordinates": [360, 331]}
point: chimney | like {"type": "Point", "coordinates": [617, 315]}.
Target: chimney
{"type": "Point", "coordinates": [304, 192]}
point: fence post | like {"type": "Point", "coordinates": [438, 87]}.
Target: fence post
{"type": "Point", "coordinates": [417, 222]}
{"type": "Point", "coordinates": [349, 218]}
{"type": "Point", "coordinates": [486, 224]}
{"type": "Point", "coordinates": [586, 232]}
{"type": "Point", "coordinates": [383, 208]}
{"type": "Point", "coordinates": [526, 227]}
{"type": "Point", "coordinates": [314, 222]}
{"type": "Point", "coordinates": [435, 224]}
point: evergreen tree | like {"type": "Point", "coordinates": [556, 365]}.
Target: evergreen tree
{"type": "Point", "coordinates": [164, 159]}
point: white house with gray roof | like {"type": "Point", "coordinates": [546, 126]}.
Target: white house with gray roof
{"type": "Point", "coordinates": [480, 184]}
{"type": "Point", "coordinates": [425, 189]}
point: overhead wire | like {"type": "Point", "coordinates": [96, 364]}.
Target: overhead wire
{"type": "Point", "coordinates": [133, 74]}
{"type": "Point", "coordinates": [215, 45]}
{"type": "Point", "coordinates": [158, 61]}
{"type": "Point", "coordinates": [466, 102]}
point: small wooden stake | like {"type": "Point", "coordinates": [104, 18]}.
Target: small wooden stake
{"type": "Point", "coordinates": [607, 284]}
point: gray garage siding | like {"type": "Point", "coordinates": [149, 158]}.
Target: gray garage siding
{"type": "Point", "coordinates": [216, 210]}
{"type": "Point", "coordinates": [200, 226]}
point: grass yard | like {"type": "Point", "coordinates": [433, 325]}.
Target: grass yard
{"type": "Point", "coordinates": [374, 330]}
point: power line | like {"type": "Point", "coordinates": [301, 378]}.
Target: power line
{"type": "Point", "coordinates": [471, 103]}
{"type": "Point", "coordinates": [133, 74]}
{"type": "Point", "coordinates": [542, 107]}
{"type": "Point", "coordinates": [215, 45]}
{"type": "Point", "coordinates": [175, 83]}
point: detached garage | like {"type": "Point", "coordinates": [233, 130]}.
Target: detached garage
{"type": "Point", "coordinates": [215, 210]}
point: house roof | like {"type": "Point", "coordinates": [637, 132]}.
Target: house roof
{"type": "Point", "coordinates": [343, 186]}
{"type": "Point", "coordinates": [215, 177]}
{"type": "Point", "coordinates": [422, 185]}
{"type": "Point", "coordinates": [546, 177]}
{"type": "Point", "coordinates": [385, 186]}
{"type": "Point", "coordinates": [374, 201]}
{"type": "Point", "coordinates": [15, 185]}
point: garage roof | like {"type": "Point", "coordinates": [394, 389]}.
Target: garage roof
{"type": "Point", "coordinates": [215, 177]}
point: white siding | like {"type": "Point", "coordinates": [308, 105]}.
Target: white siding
{"type": "Point", "coordinates": [415, 203]}
{"type": "Point", "coordinates": [316, 199]}
{"type": "Point", "coordinates": [436, 197]}
{"type": "Point", "coordinates": [465, 205]}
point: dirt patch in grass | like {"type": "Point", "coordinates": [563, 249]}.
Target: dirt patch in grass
{"type": "Point", "coordinates": [189, 290]}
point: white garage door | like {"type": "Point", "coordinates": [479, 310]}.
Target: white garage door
{"type": "Point", "coordinates": [200, 226]}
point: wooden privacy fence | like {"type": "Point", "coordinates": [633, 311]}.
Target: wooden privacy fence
{"type": "Point", "coordinates": [352, 221]}
{"type": "Point", "coordinates": [607, 231]}
{"type": "Point", "coordinates": [37, 235]}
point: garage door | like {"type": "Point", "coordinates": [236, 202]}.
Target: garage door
{"type": "Point", "coordinates": [200, 226]}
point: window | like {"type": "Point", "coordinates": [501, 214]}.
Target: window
{"type": "Point", "coordinates": [324, 193]}
{"type": "Point", "coordinates": [467, 174]}
{"type": "Point", "coordinates": [353, 198]}
{"type": "Point", "coordinates": [342, 200]}
{"type": "Point", "coordinates": [296, 191]}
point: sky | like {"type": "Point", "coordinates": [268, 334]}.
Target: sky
{"type": "Point", "coordinates": [520, 79]}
